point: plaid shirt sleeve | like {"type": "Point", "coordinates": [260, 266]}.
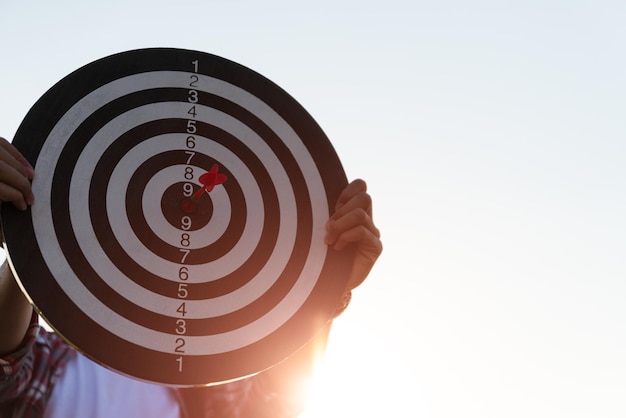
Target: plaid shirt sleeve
{"type": "Point", "coordinates": [28, 375]}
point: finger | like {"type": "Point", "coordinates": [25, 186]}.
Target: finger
{"type": "Point", "coordinates": [352, 189]}
{"type": "Point", "coordinates": [359, 201]}
{"type": "Point", "coordinates": [11, 194]}
{"type": "Point", "coordinates": [13, 157]}
{"type": "Point", "coordinates": [367, 240]}
{"type": "Point", "coordinates": [16, 187]}
{"type": "Point", "coordinates": [355, 218]}
{"type": "Point", "coordinates": [369, 248]}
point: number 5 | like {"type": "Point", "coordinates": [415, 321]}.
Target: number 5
{"type": "Point", "coordinates": [182, 290]}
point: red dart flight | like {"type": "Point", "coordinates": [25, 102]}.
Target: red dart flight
{"type": "Point", "coordinates": [209, 180]}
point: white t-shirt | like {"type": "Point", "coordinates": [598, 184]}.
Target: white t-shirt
{"type": "Point", "coordinates": [89, 390]}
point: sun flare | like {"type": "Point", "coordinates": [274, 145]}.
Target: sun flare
{"type": "Point", "coordinates": [361, 375]}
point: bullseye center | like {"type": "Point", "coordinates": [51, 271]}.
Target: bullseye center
{"type": "Point", "coordinates": [188, 206]}
{"type": "Point", "coordinates": [176, 206]}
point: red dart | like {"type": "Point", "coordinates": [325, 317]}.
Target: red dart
{"type": "Point", "coordinates": [209, 180]}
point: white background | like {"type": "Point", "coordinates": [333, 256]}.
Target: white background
{"type": "Point", "coordinates": [492, 135]}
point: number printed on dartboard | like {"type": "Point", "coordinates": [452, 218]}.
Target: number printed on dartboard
{"type": "Point", "coordinates": [186, 220]}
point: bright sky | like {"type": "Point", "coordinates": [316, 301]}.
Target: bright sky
{"type": "Point", "coordinates": [492, 136]}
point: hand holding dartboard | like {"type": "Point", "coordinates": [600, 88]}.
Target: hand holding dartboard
{"type": "Point", "coordinates": [177, 232]}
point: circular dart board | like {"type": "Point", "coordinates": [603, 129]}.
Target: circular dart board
{"type": "Point", "coordinates": [177, 232]}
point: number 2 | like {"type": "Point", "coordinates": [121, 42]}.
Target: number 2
{"type": "Point", "coordinates": [180, 344]}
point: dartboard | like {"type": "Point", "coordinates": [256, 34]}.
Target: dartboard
{"type": "Point", "coordinates": [177, 232]}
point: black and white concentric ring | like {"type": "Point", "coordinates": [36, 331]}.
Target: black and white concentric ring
{"type": "Point", "coordinates": [113, 275]}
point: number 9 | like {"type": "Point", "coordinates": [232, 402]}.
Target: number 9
{"type": "Point", "coordinates": [185, 223]}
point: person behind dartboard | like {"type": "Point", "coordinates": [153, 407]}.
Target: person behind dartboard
{"type": "Point", "coordinates": [41, 376]}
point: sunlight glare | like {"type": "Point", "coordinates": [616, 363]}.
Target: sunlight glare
{"type": "Point", "coordinates": [362, 375]}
